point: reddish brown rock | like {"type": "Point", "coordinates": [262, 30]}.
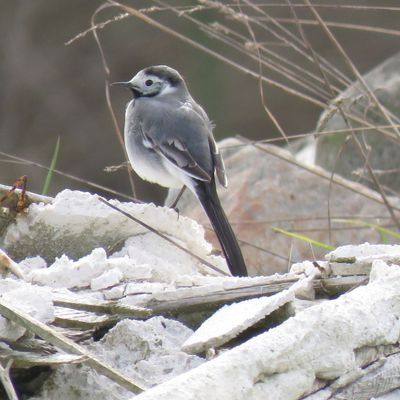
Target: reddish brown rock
{"type": "Point", "coordinates": [266, 191]}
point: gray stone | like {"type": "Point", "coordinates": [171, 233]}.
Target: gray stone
{"type": "Point", "coordinates": [384, 80]}
{"type": "Point", "coordinates": [148, 351]}
{"type": "Point", "coordinates": [77, 222]}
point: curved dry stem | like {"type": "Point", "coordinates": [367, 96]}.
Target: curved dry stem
{"type": "Point", "coordinates": [117, 130]}
{"type": "Point", "coordinates": [69, 176]}
{"type": "Point", "coordinates": [6, 381]}
{"type": "Point", "coordinates": [165, 237]}
{"type": "Point", "coordinates": [354, 27]}
{"type": "Point", "coordinates": [353, 69]}
{"type": "Point", "coordinates": [260, 83]}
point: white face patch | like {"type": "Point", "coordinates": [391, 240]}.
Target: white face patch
{"type": "Point", "coordinates": [149, 85]}
{"type": "Point", "coordinates": [167, 89]}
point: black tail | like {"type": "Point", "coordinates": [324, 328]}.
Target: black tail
{"type": "Point", "coordinates": [207, 194]}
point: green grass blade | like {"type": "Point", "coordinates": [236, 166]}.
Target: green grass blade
{"type": "Point", "coordinates": [51, 168]}
{"type": "Point", "coordinates": [384, 232]}
{"type": "Point", "coordinates": [303, 238]}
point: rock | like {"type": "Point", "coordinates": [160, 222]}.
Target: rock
{"type": "Point", "coordinates": [384, 80]}
{"type": "Point", "coordinates": [287, 362]}
{"type": "Point", "coordinates": [394, 395]}
{"type": "Point", "coordinates": [76, 223]}
{"type": "Point", "coordinates": [34, 300]}
{"type": "Point", "coordinates": [265, 190]}
{"type": "Point", "coordinates": [106, 279]}
{"type": "Point", "coordinates": [148, 351]}
{"type": "Point", "coordinates": [230, 320]}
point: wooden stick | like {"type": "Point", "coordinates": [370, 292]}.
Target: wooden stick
{"type": "Point", "coordinates": [67, 345]}
{"type": "Point", "coordinates": [6, 380]}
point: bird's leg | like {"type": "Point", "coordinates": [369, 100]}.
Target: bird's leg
{"type": "Point", "coordinates": [175, 203]}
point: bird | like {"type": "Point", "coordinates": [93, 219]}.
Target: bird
{"type": "Point", "coordinates": [169, 141]}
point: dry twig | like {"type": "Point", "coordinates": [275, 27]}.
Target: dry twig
{"type": "Point", "coordinates": [6, 380]}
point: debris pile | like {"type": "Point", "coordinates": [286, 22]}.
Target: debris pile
{"type": "Point", "coordinates": [104, 308]}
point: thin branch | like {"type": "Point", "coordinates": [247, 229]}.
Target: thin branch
{"type": "Point", "coordinates": [359, 145]}
{"type": "Point", "coordinates": [107, 92]}
{"type": "Point", "coordinates": [260, 83]}
{"type": "Point", "coordinates": [373, 129]}
{"type": "Point", "coordinates": [219, 56]}
{"type": "Point", "coordinates": [336, 6]}
{"type": "Point", "coordinates": [352, 67]}
{"type": "Point", "coordinates": [72, 177]}
{"type": "Point", "coordinates": [59, 340]}
{"type": "Point", "coordinates": [354, 27]}
{"type": "Point", "coordinates": [293, 39]}
{"type": "Point", "coordinates": [319, 172]}
{"type": "Point", "coordinates": [292, 75]}
{"type": "Point", "coordinates": [307, 218]}
{"type": "Point", "coordinates": [98, 26]}
{"type": "Point", "coordinates": [165, 237]}
{"type": "Point", "coordinates": [224, 34]}
{"type": "Point", "coordinates": [254, 246]}
{"type": "Point", "coordinates": [6, 380]}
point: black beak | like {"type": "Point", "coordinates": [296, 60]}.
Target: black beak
{"type": "Point", "coordinates": [128, 85]}
{"type": "Point", "coordinates": [123, 84]}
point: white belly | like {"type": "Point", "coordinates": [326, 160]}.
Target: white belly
{"type": "Point", "coordinates": [147, 163]}
{"type": "Point", "coordinates": [149, 173]}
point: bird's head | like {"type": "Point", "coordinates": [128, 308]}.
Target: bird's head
{"type": "Point", "coordinates": [154, 81]}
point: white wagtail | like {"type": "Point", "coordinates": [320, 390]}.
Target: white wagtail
{"type": "Point", "coordinates": [169, 141]}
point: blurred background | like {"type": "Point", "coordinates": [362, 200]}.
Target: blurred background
{"type": "Point", "coordinates": [50, 89]}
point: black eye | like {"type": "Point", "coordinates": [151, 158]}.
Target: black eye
{"type": "Point", "coordinates": [149, 82]}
